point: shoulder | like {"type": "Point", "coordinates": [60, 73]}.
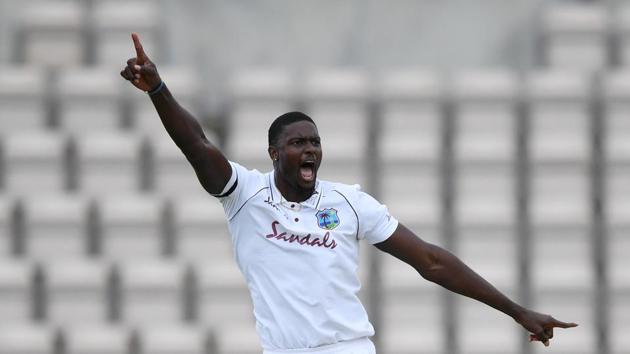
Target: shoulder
{"type": "Point", "coordinates": [244, 185]}
{"type": "Point", "coordinates": [246, 179]}
{"type": "Point", "coordinates": [244, 172]}
{"type": "Point", "coordinates": [358, 199]}
{"type": "Point", "coordinates": [351, 192]}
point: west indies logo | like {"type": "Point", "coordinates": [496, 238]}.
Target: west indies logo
{"type": "Point", "coordinates": [327, 219]}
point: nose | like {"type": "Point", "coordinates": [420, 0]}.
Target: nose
{"type": "Point", "coordinates": [310, 147]}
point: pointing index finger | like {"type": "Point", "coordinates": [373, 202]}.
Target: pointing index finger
{"type": "Point", "coordinates": [561, 324]}
{"type": "Point", "coordinates": [140, 55]}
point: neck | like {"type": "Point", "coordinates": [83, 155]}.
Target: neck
{"type": "Point", "coordinates": [292, 193]}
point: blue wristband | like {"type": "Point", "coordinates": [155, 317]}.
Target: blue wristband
{"type": "Point", "coordinates": [157, 89]}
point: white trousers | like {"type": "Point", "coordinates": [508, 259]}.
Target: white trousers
{"type": "Point", "coordinates": [356, 346]}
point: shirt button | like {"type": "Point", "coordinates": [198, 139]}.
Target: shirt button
{"type": "Point", "coordinates": [296, 219]}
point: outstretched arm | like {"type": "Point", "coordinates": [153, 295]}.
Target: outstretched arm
{"type": "Point", "coordinates": [442, 267]}
{"type": "Point", "coordinates": [211, 166]}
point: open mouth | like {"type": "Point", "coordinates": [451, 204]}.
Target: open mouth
{"type": "Point", "coordinates": [307, 171]}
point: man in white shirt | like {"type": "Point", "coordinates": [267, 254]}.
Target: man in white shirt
{"type": "Point", "coordinates": [296, 238]}
{"type": "Point", "coordinates": [299, 254]}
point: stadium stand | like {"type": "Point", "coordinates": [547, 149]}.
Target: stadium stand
{"type": "Point", "coordinates": [493, 332]}
{"type": "Point", "coordinates": [561, 209]}
{"type": "Point", "coordinates": [23, 105]}
{"type": "Point", "coordinates": [258, 96]}
{"type": "Point", "coordinates": [184, 84]}
{"type": "Point", "coordinates": [6, 218]}
{"type": "Point", "coordinates": [485, 116]}
{"type": "Point", "coordinates": [171, 173]}
{"type": "Point", "coordinates": [16, 282]}
{"type": "Point", "coordinates": [76, 290]}
{"type": "Point", "coordinates": [35, 163]}
{"type": "Point", "coordinates": [192, 217]}
{"type": "Point", "coordinates": [485, 150]}
{"type": "Point", "coordinates": [52, 33]}
{"type": "Point", "coordinates": [108, 162]}
{"type": "Point", "coordinates": [576, 35]}
{"type": "Point", "coordinates": [411, 110]}
{"type": "Point", "coordinates": [131, 227]}
{"type": "Point", "coordinates": [151, 292]}
{"type": "Point", "coordinates": [617, 203]}
{"type": "Point", "coordinates": [225, 305]}
{"type": "Point", "coordinates": [55, 227]}
{"type": "Point", "coordinates": [113, 20]}
{"type": "Point", "coordinates": [616, 89]}
{"type": "Point", "coordinates": [619, 304]}
{"type": "Point", "coordinates": [559, 116]}
{"type": "Point", "coordinates": [173, 339]}
{"type": "Point", "coordinates": [410, 145]}
{"type": "Point", "coordinates": [621, 25]}
{"type": "Point", "coordinates": [411, 317]}
{"type": "Point", "coordinates": [340, 99]}
{"type": "Point", "coordinates": [237, 341]}
{"type": "Point", "coordinates": [26, 339]}
{"type": "Point", "coordinates": [88, 100]}
{"type": "Point", "coordinates": [96, 339]}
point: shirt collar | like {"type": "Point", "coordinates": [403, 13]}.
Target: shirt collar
{"type": "Point", "coordinates": [278, 199]}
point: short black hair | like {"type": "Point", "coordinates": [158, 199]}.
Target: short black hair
{"type": "Point", "coordinates": [282, 121]}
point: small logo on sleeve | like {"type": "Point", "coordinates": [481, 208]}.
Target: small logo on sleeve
{"type": "Point", "coordinates": [327, 219]}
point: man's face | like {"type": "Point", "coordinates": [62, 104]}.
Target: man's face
{"type": "Point", "coordinates": [299, 154]}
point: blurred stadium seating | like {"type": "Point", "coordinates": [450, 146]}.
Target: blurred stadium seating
{"type": "Point", "coordinates": [108, 245]}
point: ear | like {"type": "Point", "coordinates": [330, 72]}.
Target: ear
{"type": "Point", "coordinates": [273, 153]}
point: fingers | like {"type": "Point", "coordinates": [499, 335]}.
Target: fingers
{"type": "Point", "coordinates": [135, 77]}
{"type": "Point", "coordinates": [539, 338]}
{"type": "Point", "coordinates": [548, 333]}
{"type": "Point", "coordinates": [542, 326]}
{"type": "Point", "coordinates": [542, 334]}
{"type": "Point", "coordinates": [125, 75]}
{"type": "Point", "coordinates": [136, 67]}
{"type": "Point", "coordinates": [544, 337]}
{"type": "Point", "coordinates": [561, 324]}
{"type": "Point", "coordinates": [140, 54]}
{"type": "Point", "coordinates": [131, 72]}
{"type": "Point", "coordinates": [130, 76]}
{"type": "Point", "coordinates": [133, 67]}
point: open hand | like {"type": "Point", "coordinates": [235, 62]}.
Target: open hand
{"type": "Point", "coordinates": [141, 71]}
{"type": "Point", "coordinates": [541, 326]}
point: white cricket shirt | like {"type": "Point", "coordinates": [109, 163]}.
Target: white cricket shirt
{"type": "Point", "coordinates": [300, 260]}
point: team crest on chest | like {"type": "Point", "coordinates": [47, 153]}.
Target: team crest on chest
{"type": "Point", "coordinates": [327, 219]}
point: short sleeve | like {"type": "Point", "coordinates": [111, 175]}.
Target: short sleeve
{"type": "Point", "coordinates": [243, 183]}
{"type": "Point", "coordinates": [375, 223]}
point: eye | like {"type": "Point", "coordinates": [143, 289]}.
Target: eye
{"type": "Point", "coordinates": [315, 142]}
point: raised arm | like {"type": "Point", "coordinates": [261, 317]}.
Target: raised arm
{"type": "Point", "coordinates": [442, 267]}
{"type": "Point", "coordinates": [211, 166]}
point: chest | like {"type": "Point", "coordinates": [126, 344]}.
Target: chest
{"type": "Point", "coordinates": [324, 234]}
